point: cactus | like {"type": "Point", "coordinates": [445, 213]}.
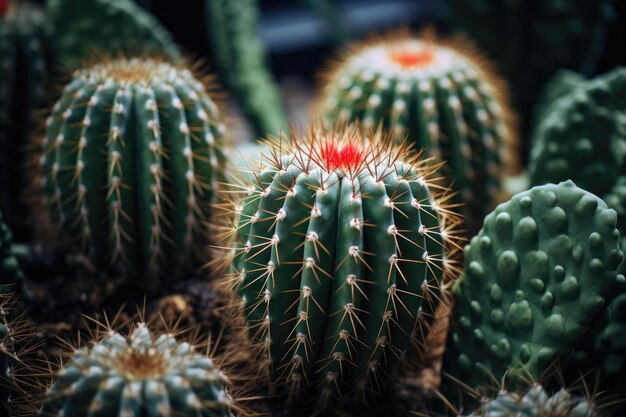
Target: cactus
{"type": "Point", "coordinates": [131, 162]}
{"type": "Point", "coordinates": [536, 402]}
{"type": "Point", "coordinates": [6, 358]}
{"type": "Point", "coordinates": [240, 57]}
{"type": "Point", "coordinates": [518, 36]}
{"type": "Point", "coordinates": [583, 136]}
{"type": "Point", "coordinates": [442, 97]}
{"type": "Point", "coordinates": [139, 375]}
{"type": "Point", "coordinates": [10, 272]}
{"type": "Point", "coordinates": [338, 242]}
{"type": "Point", "coordinates": [24, 65]}
{"type": "Point", "coordinates": [537, 279]}
{"type": "Point", "coordinates": [112, 27]}
{"type": "Point", "coordinates": [561, 84]}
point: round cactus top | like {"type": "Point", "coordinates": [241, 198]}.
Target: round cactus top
{"type": "Point", "coordinates": [140, 71]}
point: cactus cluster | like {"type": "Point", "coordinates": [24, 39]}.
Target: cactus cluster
{"type": "Point", "coordinates": [441, 96]}
{"type": "Point", "coordinates": [10, 272]}
{"type": "Point", "coordinates": [131, 162]}
{"type": "Point", "coordinates": [537, 280]}
{"type": "Point", "coordinates": [112, 27]}
{"type": "Point", "coordinates": [25, 59]}
{"type": "Point", "coordinates": [139, 375]}
{"type": "Point", "coordinates": [536, 402]}
{"type": "Point", "coordinates": [340, 243]}
{"type": "Point", "coordinates": [520, 37]}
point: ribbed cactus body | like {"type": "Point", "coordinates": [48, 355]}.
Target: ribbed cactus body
{"type": "Point", "coordinates": [139, 375]}
{"type": "Point", "coordinates": [25, 59]}
{"type": "Point", "coordinates": [10, 272]}
{"type": "Point", "coordinates": [536, 402]}
{"type": "Point", "coordinates": [537, 279]}
{"type": "Point", "coordinates": [437, 96]}
{"type": "Point", "coordinates": [339, 245]}
{"type": "Point", "coordinates": [116, 27]}
{"type": "Point", "coordinates": [131, 161]}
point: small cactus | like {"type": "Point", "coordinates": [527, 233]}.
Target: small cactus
{"type": "Point", "coordinates": [139, 375]}
{"type": "Point", "coordinates": [536, 402]}
{"type": "Point", "coordinates": [339, 244]}
{"type": "Point", "coordinates": [131, 162]}
{"type": "Point", "coordinates": [441, 96]}
{"type": "Point", "coordinates": [25, 60]}
{"type": "Point", "coordinates": [537, 278]}
{"type": "Point", "coordinates": [113, 27]}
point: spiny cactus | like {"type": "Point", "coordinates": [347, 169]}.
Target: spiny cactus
{"type": "Point", "coordinates": [518, 37]}
{"type": "Point", "coordinates": [337, 245]}
{"type": "Point", "coordinates": [131, 162]}
{"type": "Point", "coordinates": [239, 55]}
{"type": "Point", "coordinates": [25, 60]}
{"type": "Point", "coordinates": [441, 96]}
{"type": "Point", "coordinates": [114, 27]}
{"type": "Point", "coordinates": [536, 402]}
{"type": "Point", "coordinates": [537, 278]}
{"type": "Point", "coordinates": [10, 272]}
{"type": "Point", "coordinates": [139, 375]}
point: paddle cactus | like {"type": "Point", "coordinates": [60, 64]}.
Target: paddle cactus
{"type": "Point", "coordinates": [339, 245]}
{"type": "Point", "coordinates": [536, 402]}
{"type": "Point", "coordinates": [112, 27]}
{"type": "Point", "coordinates": [441, 96]}
{"type": "Point", "coordinates": [131, 161]}
{"type": "Point", "coordinates": [25, 59]}
{"type": "Point", "coordinates": [538, 277]}
{"type": "Point", "coordinates": [141, 374]}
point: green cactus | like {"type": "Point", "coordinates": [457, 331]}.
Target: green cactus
{"type": "Point", "coordinates": [563, 82]}
{"type": "Point", "coordinates": [582, 136]}
{"type": "Point", "coordinates": [337, 245]}
{"type": "Point", "coordinates": [132, 159]}
{"type": "Point", "coordinates": [6, 358]}
{"type": "Point", "coordinates": [112, 27]}
{"type": "Point", "coordinates": [140, 375]}
{"type": "Point", "coordinates": [25, 59]}
{"type": "Point", "coordinates": [10, 272]}
{"type": "Point", "coordinates": [518, 35]}
{"type": "Point", "coordinates": [442, 97]}
{"type": "Point", "coordinates": [536, 402]}
{"type": "Point", "coordinates": [538, 278]}
{"type": "Point", "coordinates": [240, 57]}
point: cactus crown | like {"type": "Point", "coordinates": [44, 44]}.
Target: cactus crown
{"type": "Point", "coordinates": [131, 163]}
{"type": "Point", "coordinates": [140, 374]}
{"type": "Point", "coordinates": [337, 243]}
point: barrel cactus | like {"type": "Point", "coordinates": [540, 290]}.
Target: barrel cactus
{"type": "Point", "coordinates": [132, 159]}
{"type": "Point", "coordinates": [10, 272]}
{"type": "Point", "coordinates": [536, 402]}
{"type": "Point", "coordinates": [537, 281]}
{"type": "Point", "coordinates": [140, 374]}
{"type": "Point", "coordinates": [117, 27]}
{"type": "Point", "coordinates": [340, 242]}
{"type": "Point", "coordinates": [441, 96]}
{"type": "Point", "coordinates": [25, 58]}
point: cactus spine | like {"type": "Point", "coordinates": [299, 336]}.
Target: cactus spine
{"type": "Point", "coordinates": [131, 162]}
{"type": "Point", "coordinates": [537, 278]}
{"type": "Point", "coordinates": [339, 244]}
{"type": "Point", "coordinates": [139, 375]}
{"type": "Point", "coordinates": [25, 58]}
{"type": "Point", "coordinates": [439, 96]}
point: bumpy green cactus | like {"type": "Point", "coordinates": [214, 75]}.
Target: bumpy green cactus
{"type": "Point", "coordinates": [118, 27]}
{"type": "Point", "coordinates": [24, 64]}
{"type": "Point", "coordinates": [442, 97]}
{"type": "Point", "coordinates": [559, 85]}
{"type": "Point", "coordinates": [583, 136]}
{"type": "Point", "coordinates": [240, 57]}
{"type": "Point", "coordinates": [131, 162]}
{"type": "Point", "coordinates": [518, 36]}
{"type": "Point", "coordinates": [139, 375]}
{"type": "Point", "coordinates": [338, 243]}
{"type": "Point", "coordinates": [10, 272]}
{"type": "Point", "coordinates": [537, 278]}
{"type": "Point", "coordinates": [536, 402]}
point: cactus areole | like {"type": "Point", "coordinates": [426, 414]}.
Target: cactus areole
{"type": "Point", "coordinates": [339, 243]}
